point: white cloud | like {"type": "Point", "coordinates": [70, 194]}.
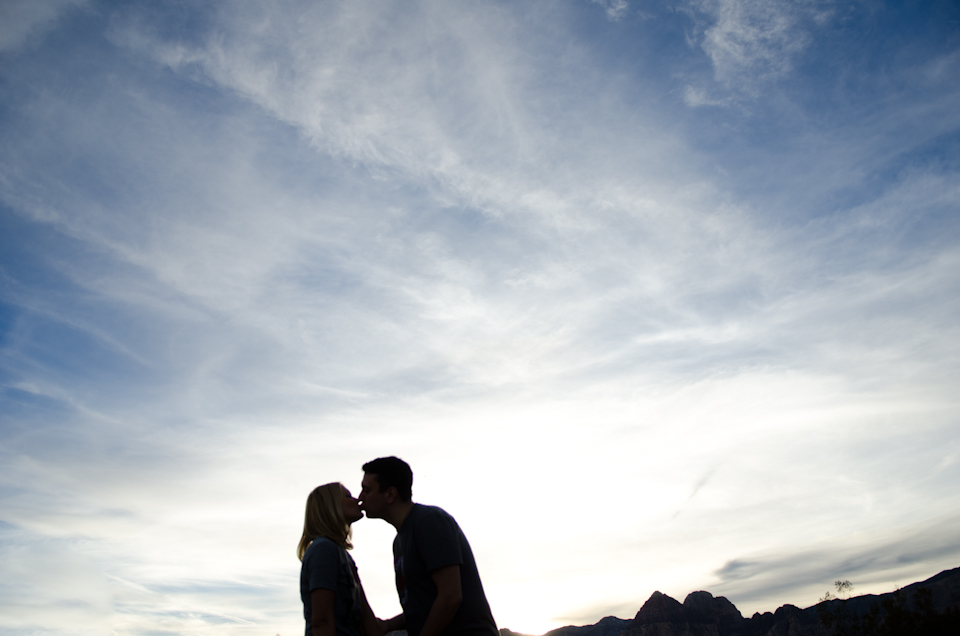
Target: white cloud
{"type": "Point", "coordinates": [615, 9]}
{"type": "Point", "coordinates": [753, 42]}
{"type": "Point", "coordinates": [695, 97]}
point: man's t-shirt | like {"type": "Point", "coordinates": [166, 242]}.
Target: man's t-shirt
{"type": "Point", "coordinates": [430, 539]}
{"type": "Point", "coordinates": [326, 565]}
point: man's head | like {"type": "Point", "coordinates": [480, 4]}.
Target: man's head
{"type": "Point", "coordinates": [386, 480]}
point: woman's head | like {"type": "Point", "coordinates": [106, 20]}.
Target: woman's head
{"type": "Point", "coordinates": [330, 511]}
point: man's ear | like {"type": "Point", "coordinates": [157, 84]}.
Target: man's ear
{"type": "Point", "coordinates": [391, 494]}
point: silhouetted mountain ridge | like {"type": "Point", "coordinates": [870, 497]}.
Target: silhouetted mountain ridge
{"type": "Point", "coordinates": [609, 626]}
{"type": "Point", "coordinates": [926, 607]}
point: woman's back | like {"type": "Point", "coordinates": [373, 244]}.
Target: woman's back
{"type": "Point", "coordinates": [327, 565]}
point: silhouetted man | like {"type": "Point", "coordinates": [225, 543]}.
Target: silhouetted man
{"type": "Point", "coordinates": [437, 577]}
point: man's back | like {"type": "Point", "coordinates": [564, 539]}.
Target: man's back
{"type": "Point", "coordinates": [430, 539]}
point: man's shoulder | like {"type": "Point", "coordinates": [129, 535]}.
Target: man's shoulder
{"type": "Point", "coordinates": [424, 512]}
{"type": "Point", "coordinates": [429, 520]}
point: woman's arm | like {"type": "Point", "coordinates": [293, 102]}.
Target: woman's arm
{"type": "Point", "coordinates": [322, 611]}
{"type": "Point", "coordinates": [373, 626]}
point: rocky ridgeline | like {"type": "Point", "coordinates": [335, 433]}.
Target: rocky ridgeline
{"type": "Point", "coordinates": [930, 607]}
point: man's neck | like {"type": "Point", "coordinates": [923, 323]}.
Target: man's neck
{"type": "Point", "coordinates": [397, 514]}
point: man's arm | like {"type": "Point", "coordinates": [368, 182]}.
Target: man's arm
{"type": "Point", "coordinates": [373, 626]}
{"type": "Point", "coordinates": [393, 624]}
{"type": "Point", "coordinates": [321, 612]}
{"type": "Point", "coordinates": [449, 597]}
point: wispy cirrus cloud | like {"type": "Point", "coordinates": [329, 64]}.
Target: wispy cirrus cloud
{"type": "Point", "coordinates": [247, 248]}
{"type": "Point", "coordinates": [752, 43]}
{"type": "Point", "coordinates": [615, 9]}
{"type": "Point", "coordinates": [879, 561]}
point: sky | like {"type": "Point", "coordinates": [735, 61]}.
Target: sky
{"type": "Point", "coordinates": [652, 295]}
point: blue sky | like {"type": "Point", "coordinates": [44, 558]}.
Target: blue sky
{"type": "Point", "coordinates": [652, 295]}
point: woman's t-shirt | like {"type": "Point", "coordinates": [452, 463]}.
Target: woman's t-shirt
{"type": "Point", "coordinates": [328, 566]}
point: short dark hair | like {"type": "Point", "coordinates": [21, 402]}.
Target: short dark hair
{"type": "Point", "coordinates": [392, 471]}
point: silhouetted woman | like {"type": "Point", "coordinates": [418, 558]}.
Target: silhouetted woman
{"type": "Point", "coordinates": [333, 599]}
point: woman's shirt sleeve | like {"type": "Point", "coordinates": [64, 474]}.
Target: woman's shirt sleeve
{"type": "Point", "coordinates": [323, 566]}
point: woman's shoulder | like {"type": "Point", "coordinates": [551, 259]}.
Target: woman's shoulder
{"type": "Point", "coordinates": [323, 548]}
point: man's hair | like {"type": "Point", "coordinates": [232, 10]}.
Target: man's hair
{"type": "Point", "coordinates": [392, 471]}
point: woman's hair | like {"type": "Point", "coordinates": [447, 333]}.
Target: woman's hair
{"type": "Point", "coordinates": [324, 518]}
